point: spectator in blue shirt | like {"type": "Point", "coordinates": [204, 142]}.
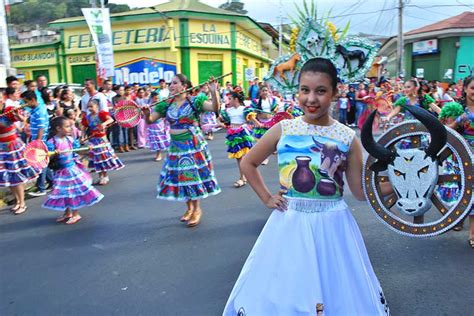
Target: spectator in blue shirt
{"type": "Point", "coordinates": [254, 90]}
{"type": "Point", "coordinates": [41, 82]}
{"type": "Point", "coordinates": [39, 125]}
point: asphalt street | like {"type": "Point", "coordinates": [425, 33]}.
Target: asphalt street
{"type": "Point", "coordinates": [130, 255]}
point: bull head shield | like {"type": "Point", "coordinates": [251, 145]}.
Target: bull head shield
{"type": "Point", "coordinates": [414, 174]}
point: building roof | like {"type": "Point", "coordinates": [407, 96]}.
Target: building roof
{"type": "Point", "coordinates": [171, 6]}
{"type": "Point", "coordinates": [461, 21]}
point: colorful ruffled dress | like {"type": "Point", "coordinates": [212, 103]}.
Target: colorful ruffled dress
{"type": "Point", "coordinates": [239, 137]}
{"type": "Point", "coordinates": [313, 254]}
{"type": "Point", "coordinates": [187, 172]}
{"type": "Point", "coordinates": [261, 106]}
{"type": "Point", "coordinates": [102, 158]}
{"type": "Point", "coordinates": [72, 187]}
{"type": "Point", "coordinates": [405, 143]}
{"type": "Point", "coordinates": [14, 170]}
{"type": "Point", "coordinates": [158, 135]}
{"type": "Point", "coordinates": [466, 129]}
{"type": "Point", "coordinates": [209, 122]}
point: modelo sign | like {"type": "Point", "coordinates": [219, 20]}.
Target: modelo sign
{"type": "Point", "coordinates": [144, 71]}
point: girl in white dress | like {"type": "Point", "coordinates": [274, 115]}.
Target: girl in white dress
{"type": "Point", "coordinates": [310, 258]}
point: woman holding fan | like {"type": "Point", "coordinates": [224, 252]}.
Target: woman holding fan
{"type": "Point", "coordinates": [14, 170]}
{"type": "Point", "coordinates": [187, 173]}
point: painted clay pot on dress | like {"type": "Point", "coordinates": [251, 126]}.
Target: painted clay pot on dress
{"type": "Point", "coordinates": [303, 178]}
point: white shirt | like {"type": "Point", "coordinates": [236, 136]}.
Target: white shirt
{"type": "Point", "coordinates": [267, 105]}
{"type": "Point", "coordinates": [10, 102]}
{"type": "Point", "coordinates": [103, 107]}
{"type": "Point", "coordinates": [164, 93]}
{"type": "Point", "coordinates": [236, 115]}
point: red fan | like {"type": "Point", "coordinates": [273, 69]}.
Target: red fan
{"type": "Point", "coordinates": [128, 113]}
{"type": "Point", "coordinates": [280, 116]}
{"type": "Point", "coordinates": [36, 154]}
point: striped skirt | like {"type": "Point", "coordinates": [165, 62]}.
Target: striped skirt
{"type": "Point", "coordinates": [239, 141]}
{"type": "Point", "coordinates": [209, 122]}
{"type": "Point", "coordinates": [258, 132]}
{"type": "Point", "coordinates": [14, 170]}
{"type": "Point", "coordinates": [103, 158]}
{"type": "Point", "coordinates": [72, 189]}
{"type": "Point", "coordinates": [158, 135]}
{"type": "Point", "coordinates": [187, 172]}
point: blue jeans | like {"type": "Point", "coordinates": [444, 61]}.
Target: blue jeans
{"type": "Point", "coordinates": [343, 116]}
{"type": "Point", "coordinates": [123, 136]}
{"type": "Point", "coordinates": [360, 108]}
{"type": "Point", "coordinates": [113, 135]}
{"type": "Point", "coordinates": [45, 175]}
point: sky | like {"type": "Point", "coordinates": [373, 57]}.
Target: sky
{"type": "Point", "coordinates": [369, 16]}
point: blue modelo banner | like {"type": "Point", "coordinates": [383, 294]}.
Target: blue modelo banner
{"type": "Point", "coordinates": [144, 71]}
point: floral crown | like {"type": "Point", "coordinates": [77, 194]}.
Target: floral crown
{"type": "Point", "coordinates": [352, 56]}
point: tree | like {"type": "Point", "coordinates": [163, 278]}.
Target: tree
{"type": "Point", "coordinates": [234, 6]}
{"type": "Point", "coordinates": [40, 12]}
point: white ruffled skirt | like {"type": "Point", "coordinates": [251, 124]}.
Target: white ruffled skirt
{"type": "Point", "coordinates": [311, 254]}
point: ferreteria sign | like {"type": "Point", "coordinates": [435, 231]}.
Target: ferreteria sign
{"type": "Point", "coordinates": [142, 36]}
{"type": "Point", "coordinates": [209, 34]}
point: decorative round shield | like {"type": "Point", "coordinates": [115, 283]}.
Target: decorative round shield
{"type": "Point", "coordinates": [439, 216]}
{"type": "Point", "coordinates": [128, 114]}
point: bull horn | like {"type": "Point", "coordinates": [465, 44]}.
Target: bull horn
{"type": "Point", "coordinates": [382, 154]}
{"type": "Point", "coordinates": [439, 135]}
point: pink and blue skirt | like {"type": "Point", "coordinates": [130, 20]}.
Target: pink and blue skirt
{"type": "Point", "coordinates": [209, 122]}
{"type": "Point", "coordinates": [103, 158]}
{"type": "Point", "coordinates": [72, 189]}
{"type": "Point", "coordinates": [14, 170]}
{"type": "Point", "coordinates": [239, 140]}
{"type": "Point", "coordinates": [187, 172]}
{"type": "Point", "coordinates": [158, 135]}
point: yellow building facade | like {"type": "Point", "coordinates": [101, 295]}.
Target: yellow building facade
{"type": "Point", "coordinates": [149, 44]}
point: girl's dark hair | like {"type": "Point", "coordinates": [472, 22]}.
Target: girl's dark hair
{"type": "Point", "coordinates": [94, 101]}
{"type": "Point", "coordinates": [63, 94]}
{"type": "Point", "coordinates": [239, 96]}
{"type": "Point", "coordinates": [9, 91]}
{"type": "Point", "coordinates": [141, 89]}
{"type": "Point", "coordinates": [184, 81]}
{"type": "Point", "coordinates": [29, 95]}
{"type": "Point", "coordinates": [55, 123]}
{"type": "Point", "coordinates": [28, 82]}
{"type": "Point", "coordinates": [153, 94]}
{"type": "Point", "coordinates": [45, 95]}
{"type": "Point", "coordinates": [321, 65]}
{"type": "Point", "coordinates": [58, 91]}
{"type": "Point", "coordinates": [69, 113]}
{"type": "Point", "coordinates": [467, 81]}
{"type": "Point", "coordinates": [419, 89]}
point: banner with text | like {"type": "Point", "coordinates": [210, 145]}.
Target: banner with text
{"type": "Point", "coordinates": [98, 21]}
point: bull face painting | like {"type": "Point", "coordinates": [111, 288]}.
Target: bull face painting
{"type": "Point", "coordinates": [413, 173]}
{"type": "Point", "coordinates": [413, 176]}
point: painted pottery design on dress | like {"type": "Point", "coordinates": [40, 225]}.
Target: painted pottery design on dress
{"type": "Point", "coordinates": [311, 167]}
{"type": "Point", "coordinates": [303, 178]}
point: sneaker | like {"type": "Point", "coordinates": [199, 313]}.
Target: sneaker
{"type": "Point", "coordinates": [37, 193]}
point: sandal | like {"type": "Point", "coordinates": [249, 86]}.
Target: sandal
{"type": "Point", "coordinates": [73, 220]}
{"type": "Point", "coordinates": [186, 216]}
{"type": "Point", "coordinates": [471, 242]}
{"type": "Point", "coordinates": [63, 218]}
{"type": "Point", "coordinates": [239, 183]}
{"type": "Point", "coordinates": [195, 218]}
{"type": "Point", "coordinates": [21, 210]}
{"type": "Point", "coordinates": [15, 208]}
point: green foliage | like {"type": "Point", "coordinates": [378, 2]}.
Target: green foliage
{"type": "Point", "coordinates": [32, 12]}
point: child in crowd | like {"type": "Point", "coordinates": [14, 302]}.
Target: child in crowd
{"type": "Point", "coordinates": [101, 158]}
{"type": "Point", "coordinates": [72, 187]}
{"type": "Point", "coordinates": [344, 107]}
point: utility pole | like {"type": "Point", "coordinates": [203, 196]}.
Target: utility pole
{"type": "Point", "coordinates": [280, 31]}
{"type": "Point", "coordinates": [4, 45]}
{"type": "Point", "coordinates": [400, 66]}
